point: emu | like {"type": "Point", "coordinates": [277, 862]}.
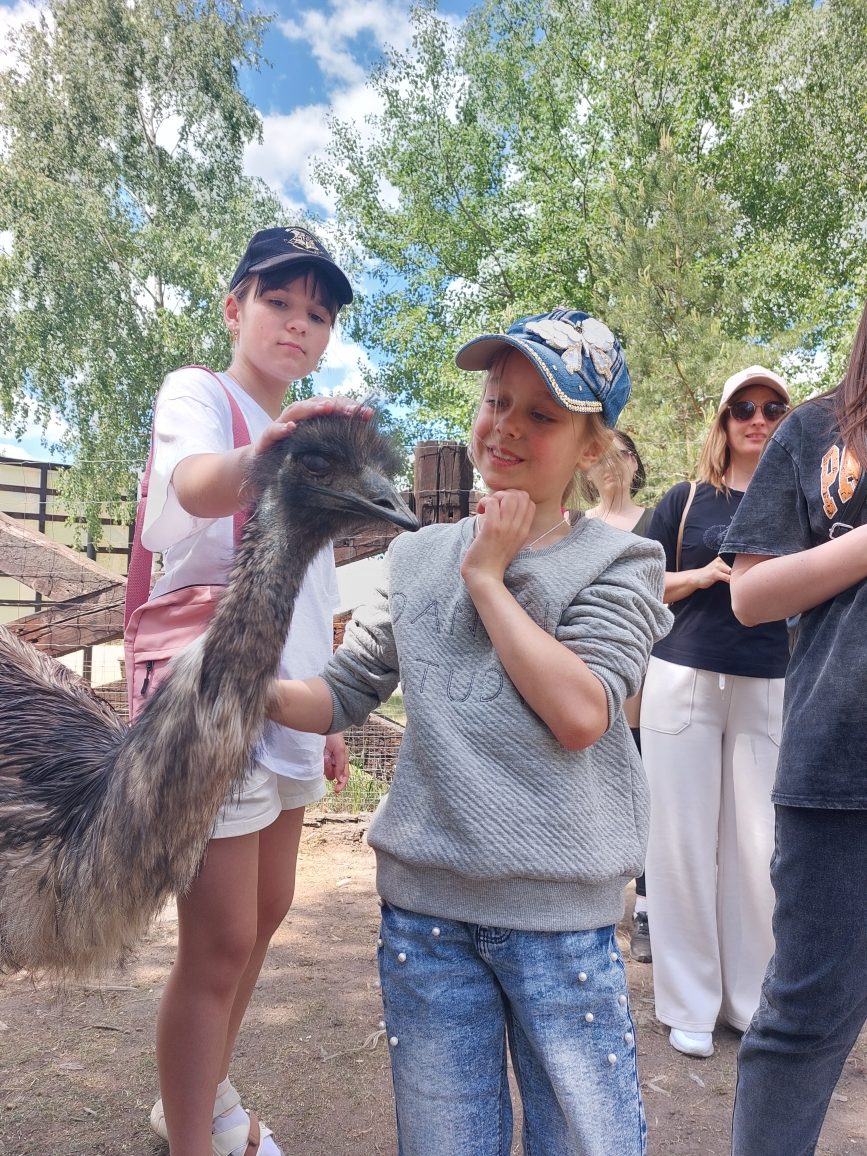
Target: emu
{"type": "Point", "coordinates": [101, 821]}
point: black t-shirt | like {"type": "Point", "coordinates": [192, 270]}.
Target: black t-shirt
{"type": "Point", "coordinates": [797, 499]}
{"type": "Point", "coordinates": [642, 526]}
{"type": "Point", "coordinates": [706, 635]}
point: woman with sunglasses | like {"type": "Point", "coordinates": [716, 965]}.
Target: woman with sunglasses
{"type": "Point", "coordinates": [612, 485]}
{"type": "Point", "coordinates": [711, 717]}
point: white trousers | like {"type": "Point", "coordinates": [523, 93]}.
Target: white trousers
{"type": "Point", "coordinates": [709, 744]}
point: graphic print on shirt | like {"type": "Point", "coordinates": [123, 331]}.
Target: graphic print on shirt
{"type": "Point", "coordinates": [713, 537]}
{"type": "Point", "coordinates": [445, 618]}
{"type": "Point", "coordinates": [839, 471]}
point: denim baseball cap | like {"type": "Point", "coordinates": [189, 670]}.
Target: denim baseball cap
{"type": "Point", "coordinates": [579, 359]}
{"type": "Point", "coordinates": [271, 248]}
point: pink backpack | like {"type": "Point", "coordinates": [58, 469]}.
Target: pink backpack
{"type": "Point", "coordinates": [155, 631]}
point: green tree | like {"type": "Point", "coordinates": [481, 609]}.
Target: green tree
{"type": "Point", "coordinates": [690, 170]}
{"type": "Point", "coordinates": [121, 184]}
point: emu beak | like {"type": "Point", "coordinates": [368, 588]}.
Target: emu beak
{"type": "Point", "coordinates": [378, 498]}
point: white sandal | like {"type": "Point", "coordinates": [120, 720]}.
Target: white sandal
{"type": "Point", "coordinates": [223, 1143]}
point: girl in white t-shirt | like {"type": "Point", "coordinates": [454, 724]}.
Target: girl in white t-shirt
{"type": "Point", "coordinates": [280, 309]}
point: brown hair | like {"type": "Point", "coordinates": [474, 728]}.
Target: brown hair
{"type": "Point", "coordinates": [715, 455]}
{"type": "Point", "coordinates": [850, 397]}
{"type": "Point", "coordinates": [315, 284]}
{"type": "Point", "coordinates": [596, 429]}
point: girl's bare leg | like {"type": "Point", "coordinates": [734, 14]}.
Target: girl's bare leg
{"type": "Point", "coordinates": [278, 856]}
{"type": "Point", "coordinates": [217, 933]}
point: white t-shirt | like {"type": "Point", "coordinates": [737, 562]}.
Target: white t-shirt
{"type": "Point", "coordinates": [192, 416]}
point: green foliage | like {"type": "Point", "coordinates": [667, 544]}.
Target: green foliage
{"type": "Point", "coordinates": [394, 709]}
{"type": "Point", "coordinates": [692, 171]}
{"type": "Point", "coordinates": [361, 793]}
{"type": "Point", "coordinates": [122, 185]}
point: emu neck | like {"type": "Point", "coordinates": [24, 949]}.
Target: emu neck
{"type": "Point", "coordinates": [248, 632]}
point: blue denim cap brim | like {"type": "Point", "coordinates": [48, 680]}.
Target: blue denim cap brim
{"type": "Point", "coordinates": [579, 389]}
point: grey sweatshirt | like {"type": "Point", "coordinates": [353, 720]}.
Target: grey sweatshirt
{"type": "Point", "coordinates": [489, 819]}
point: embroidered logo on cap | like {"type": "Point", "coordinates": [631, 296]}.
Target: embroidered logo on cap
{"type": "Point", "coordinates": [302, 240]}
{"type": "Point", "coordinates": [588, 337]}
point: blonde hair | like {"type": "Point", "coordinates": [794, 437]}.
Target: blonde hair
{"type": "Point", "coordinates": [715, 455]}
{"type": "Point", "coordinates": [596, 431]}
{"type": "Point", "coordinates": [620, 440]}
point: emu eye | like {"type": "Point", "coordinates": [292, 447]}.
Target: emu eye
{"type": "Point", "coordinates": [316, 464]}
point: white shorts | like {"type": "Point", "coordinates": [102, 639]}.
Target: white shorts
{"type": "Point", "coordinates": [264, 795]}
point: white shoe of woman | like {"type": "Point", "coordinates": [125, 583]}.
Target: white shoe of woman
{"type": "Point", "coordinates": [691, 1043]}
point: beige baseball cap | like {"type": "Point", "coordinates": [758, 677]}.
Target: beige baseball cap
{"type": "Point", "coordinates": [753, 375]}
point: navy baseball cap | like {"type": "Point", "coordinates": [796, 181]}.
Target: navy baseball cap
{"type": "Point", "coordinates": [579, 359]}
{"type": "Point", "coordinates": [272, 248]}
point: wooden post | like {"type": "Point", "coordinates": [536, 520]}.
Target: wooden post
{"type": "Point", "coordinates": [442, 477]}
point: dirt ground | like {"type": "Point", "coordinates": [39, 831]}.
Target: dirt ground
{"type": "Point", "coordinates": [78, 1077]}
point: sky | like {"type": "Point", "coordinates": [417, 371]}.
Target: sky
{"type": "Point", "coordinates": [319, 58]}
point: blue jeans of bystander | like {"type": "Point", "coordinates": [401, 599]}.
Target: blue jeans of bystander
{"type": "Point", "coordinates": [456, 993]}
{"type": "Point", "coordinates": [814, 998]}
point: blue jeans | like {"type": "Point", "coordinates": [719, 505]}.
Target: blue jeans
{"type": "Point", "coordinates": [456, 995]}
{"type": "Point", "coordinates": [814, 998]}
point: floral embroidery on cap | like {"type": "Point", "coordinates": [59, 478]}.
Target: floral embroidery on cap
{"type": "Point", "coordinates": [588, 337]}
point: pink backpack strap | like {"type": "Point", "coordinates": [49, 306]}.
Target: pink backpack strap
{"type": "Point", "coordinates": [138, 578]}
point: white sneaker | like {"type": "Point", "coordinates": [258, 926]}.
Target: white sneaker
{"type": "Point", "coordinates": [691, 1043]}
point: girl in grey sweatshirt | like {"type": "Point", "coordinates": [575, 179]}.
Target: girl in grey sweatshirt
{"type": "Point", "coordinates": [519, 806]}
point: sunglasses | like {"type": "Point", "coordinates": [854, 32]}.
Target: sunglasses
{"type": "Point", "coordinates": [745, 410]}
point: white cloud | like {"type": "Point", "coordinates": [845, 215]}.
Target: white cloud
{"type": "Point", "coordinates": [343, 39]}
{"type": "Point", "coordinates": [36, 440]}
{"type": "Point", "coordinates": [292, 142]}
{"type": "Point", "coordinates": [12, 19]}
{"type": "Point", "coordinates": [343, 367]}
{"type": "Point", "coordinates": [289, 141]}
{"type": "Point", "coordinates": [6, 239]}
{"type": "Point", "coordinates": [333, 35]}
{"type": "Point", "coordinates": [13, 450]}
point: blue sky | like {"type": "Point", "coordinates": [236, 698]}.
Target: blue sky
{"type": "Point", "coordinates": [319, 57]}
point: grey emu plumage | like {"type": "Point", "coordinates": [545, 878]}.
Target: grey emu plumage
{"type": "Point", "coordinates": [100, 822]}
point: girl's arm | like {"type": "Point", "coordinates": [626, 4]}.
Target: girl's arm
{"type": "Point", "coordinates": [336, 762]}
{"type": "Point", "coordinates": [211, 485]}
{"type": "Point", "coordinates": [767, 589]}
{"type": "Point", "coordinates": [555, 683]}
{"type": "Point", "coordinates": [681, 583]}
{"type": "Point", "coordinates": [664, 528]}
{"type": "Point", "coordinates": [301, 704]}
{"type": "Point", "coordinates": [362, 673]}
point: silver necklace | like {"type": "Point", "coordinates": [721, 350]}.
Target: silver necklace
{"type": "Point", "coordinates": [556, 526]}
{"type": "Point", "coordinates": [529, 545]}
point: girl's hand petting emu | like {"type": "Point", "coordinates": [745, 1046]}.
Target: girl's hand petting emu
{"type": "Point", "coordinates": [303, 410]}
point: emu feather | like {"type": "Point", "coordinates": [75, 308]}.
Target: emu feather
{"type": "Point", "coordinates": [100, 821]}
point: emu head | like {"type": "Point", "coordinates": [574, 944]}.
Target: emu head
{"type": "Point", "coordinates": [335, 471]}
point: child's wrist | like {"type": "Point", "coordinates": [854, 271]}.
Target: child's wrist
{"type": "Point", "coordinates": [482, 583]}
